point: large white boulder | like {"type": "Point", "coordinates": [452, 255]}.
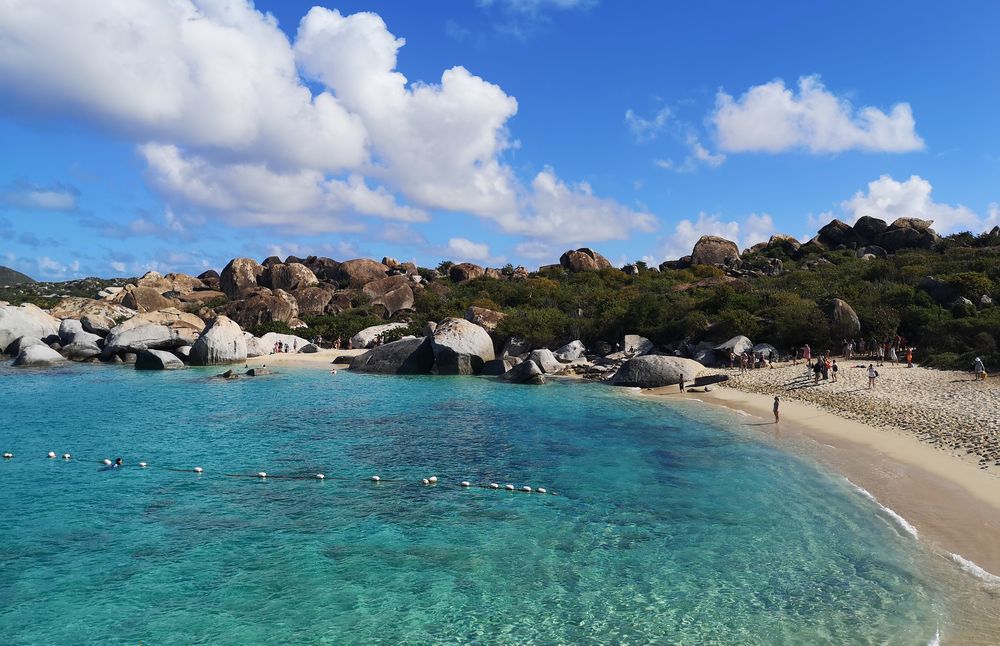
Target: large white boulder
{"type": "Point", "coordinates": [738, 344]}
{"type": "Point", "coordinates": [77, 343]}
{"type": "Point", "coordinates": [256, 347]}
{"type": "Point", "coordinates": [222, 341]}
{"type": "Point", "coordinates": [653, 371]}
{"type": "Point", "coordinates": [638, 344]}
{"type": "Point", "coordinates": [38, 355]}
{"type": "Point", "coordinates": [461, 347]}
{"type": "Point", "coordinates": [570, 352]}
{"type": "Point", "coordinates": [364, 338]}
{"type": "Point", "coordinates": [146, 337]}
{"type": "Point", "coordinates": [544, 359]}
{"type": "Point", "coordinates": [26, 320]}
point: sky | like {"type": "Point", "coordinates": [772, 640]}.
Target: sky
{"type": "Point", "coordinates": [174, 135]}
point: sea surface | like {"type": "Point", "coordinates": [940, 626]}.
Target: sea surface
{"type": "Point", "coordinates": [673, 523]}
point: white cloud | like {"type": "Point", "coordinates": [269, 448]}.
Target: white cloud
{"type": "Point", "coordinates": [773, 118]}
{"type": "Point", "coordinates": [992, 216]}
{"type": "Point", "coordinates": [211, 92]}
{"type": "Point", "coordinates": [753, 229]}
{"type": "Point", "coordinates": [555, 211]}
{"type": "Point", "coordinates": [118, 266]}
{"type": "Point", "coordinates": [27, 196]}
{"type": "Point", "coordinates": [464, 249]}
{"type": "Point", "coordinates": [888, 199]}
{"type": "Point", "coordinates": [456, 31]}
{"type": "Point", "coordinates": [50, 268]}
{"type": "Point", "coordinates": [699, 156]}
{"type": "Point", "coordinates": [647, 129]}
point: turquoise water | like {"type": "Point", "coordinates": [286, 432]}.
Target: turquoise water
{"type": "Point", "coordinates": [674, 524]}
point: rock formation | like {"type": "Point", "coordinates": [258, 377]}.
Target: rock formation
{"type": "Point", "coordinates": [461, 347]}
{"type": "Point", "coordinates": [654, 371]}
{"type": "Point", "coordinates": [413, 356]}
{"type": "Point", "coordinates": [222, 341]}
{"type": "Point", "coordinates": [157, 360]}
{"type": "Point", "coordinates": [583, 259]}
{"type": "Point", "coordinates": [239, 277]}
{"type": "Point", "coordinates": [713, 250]}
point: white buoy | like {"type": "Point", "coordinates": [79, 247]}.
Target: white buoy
{"type": "Point", "coordinates": [106, 462]}
{"type": "Point", "coordinates": [52, 455]}
{"type": "Point", "coordinates": [7, 456]}
{"type": "Point", "coordinates": [142, 465]}
{"type": "Point", "coordinates": [494, 485]}
{"type": "Point", "coordinates": [433, 479]}
{"type": "Point", "coordinates": [540, 490]}
{"type": "Point", "coordinates": [509, 487]}
{"type": "Point", "coordinates": [425, 481]}
{"type": "Point", "coordinates": [375, 478]}
{"type": "Point", "coordinates": [320, 476]}
{"type": "Point", "coordinates": [526, 489]}
{"type": "Point", "coordinates": [466, 483]}
{"type": "Point", "coordinates": [66, 456]}
{"type": "Point", "coordinates": [198, 469]}
{"type": "Point", "coordinates": [261, 474]}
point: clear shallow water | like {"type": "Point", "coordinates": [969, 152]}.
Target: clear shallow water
{"type": "Point", "coordinates": [674, 525]}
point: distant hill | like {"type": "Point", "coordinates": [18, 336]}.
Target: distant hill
{"type": "Point", "coordinates": [10, 277]}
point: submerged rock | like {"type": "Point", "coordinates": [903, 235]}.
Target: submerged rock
{"type": "Point", "coordinates": [526, 372]}
{"type": "Point", "coordinates": [157, 360]}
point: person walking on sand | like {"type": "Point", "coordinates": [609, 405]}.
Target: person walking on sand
{"type": "Point", "coordinates": [775, 408]}
{"type": "Point", "coordinates": [979, 369]}
{"type": "Point", "coordinates": [872, 375]}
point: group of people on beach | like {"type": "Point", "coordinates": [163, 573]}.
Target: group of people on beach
{"type": "Point", "coordinates": [751, 360]}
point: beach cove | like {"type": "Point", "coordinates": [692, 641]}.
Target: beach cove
{"type": "Point", "coordinates": [670, 524]}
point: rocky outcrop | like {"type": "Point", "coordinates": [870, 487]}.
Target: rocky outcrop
{"type": "Point", "coordinates": [157, 360]}
{"type": "Point", "coordinates": [144, 299]}
{"type": "Point", "coordinates": [222, 341]}
{"type": "Point", "coordinates": [239, 277]}
{"type": "Point", "coordinates": [313, 301]}
{"type": "Point", "coordinates": [360, 271]}
{"type": "Point", "coordinates": [869, 228]}
{"type": "Point", "coordinates": [22, 342]}
{"type": "Point", "coordinates": [37, 355]}
{"type": "Point", "coordinates": [786, 243]}
{"type": "Point", "coordinates": [654, 371]}
{"type": "Point", "coordinates": [484, 318]}
{"type": "Point", "coordinates": [461, 347]}
{"type": "Point", "coordinates": [78, 344]}
{"type": "Point", "coordinates": [263, 306]}
{"type": "Point", "coordinates": [837, 233]}
{"type": "Point", "coordinates": [545, 360]}
{"type": "Point", "coordinates": [845, 320]}
{"type": "Point", "coordinates": [287, 277]}
{"type": "Point", "coordinates": [515, 347]}
{"type": "Point", "coordinates": [392, 292]}
{"type": "Point", "coordinates": [570, 352]}
{"type": "Point", "coordinates": [526, 372]}
{"type": "Point", "coordinates": [413, 356]}
{"type": "Point", "coordinates": [465, 271]}
{"type": "Point", "coordinates": [173, 318]}
{"type": "Point", "coordinates": [75, 307]}
{"type": "Point", "coordinates": [26, 320]}
{"type": "Point", "coordinates": [170, 283]}
{"type": "Point", "coordinates": [256, 347]}
{"type": "Point", "coordinates": [583, 259]}
{"type": "Point", "coordinates": [738, 344]}
{"type": "Point", "coordinates": [908, 233]}
{"type": "Point", "coordinates": [211, 279]}
{"type": "Point", "coordinates": [713, 250]}
{"type": "Point", "coordinates": [365, 337]}
{"type": "Point", "coordinates": [496, 367]}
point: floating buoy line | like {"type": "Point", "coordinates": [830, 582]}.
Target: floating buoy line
{"type": "Point", "coordinates": [429, 481]}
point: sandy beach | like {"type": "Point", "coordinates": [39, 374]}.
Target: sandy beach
{"type": "Point", "coordinates": [923, 442]}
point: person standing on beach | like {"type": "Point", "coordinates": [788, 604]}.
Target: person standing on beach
{"type": "Point", "coordinates": [872, 374]}
{"type": "Point", "coordinates": [775, 409]}
{"type": "Point", "coordinates": [909, 357]}
{"type": "Point", "coordinates": [833, 368]}
{"type": "Point", "coordinates": [979, 369]}
{"type": "Point", "coordinates": [807, 353]}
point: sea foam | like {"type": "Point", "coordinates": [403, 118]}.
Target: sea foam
{"type": "Point", "coordinates": [899, 520]}
{"type": "Point", "coordinates": [991, 580]}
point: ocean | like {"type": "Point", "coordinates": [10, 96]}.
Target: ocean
{"type": "Point", "coordinates": [663, 523]}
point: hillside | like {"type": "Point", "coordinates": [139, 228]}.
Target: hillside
{"type": "Point", "coordinates": [10, 277]}
{"type": "Point", "coordinates": [868, 282]}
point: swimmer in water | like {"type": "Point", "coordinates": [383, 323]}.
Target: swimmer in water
{"type": "Point", "coordinates": [117, 464]}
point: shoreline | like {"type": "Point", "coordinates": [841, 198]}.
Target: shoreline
{"type": "Point", "coordinates": [952, 503]}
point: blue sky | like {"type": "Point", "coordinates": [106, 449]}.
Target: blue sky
{"type": "Point", "coordinates": [174, 136]}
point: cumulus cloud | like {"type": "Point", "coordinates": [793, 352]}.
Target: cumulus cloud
{"type": "Point", "coordinates": [746, 233]}
{"type": "Point", "coordinates": [313, 134]}
{"type": "Point", "coordinates": [888, 199]}
{"type": "Point", "coordinates": [464, 249]}
{"type": "Point", "coordinates": [535, 250]}
{"type": "Point", "coordinates": [28, 196]}
{"type": "Point", "coordinates": [773, 118]}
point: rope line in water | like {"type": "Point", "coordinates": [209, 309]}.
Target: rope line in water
{"type": "Point", "coordinates": [431, 481]}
